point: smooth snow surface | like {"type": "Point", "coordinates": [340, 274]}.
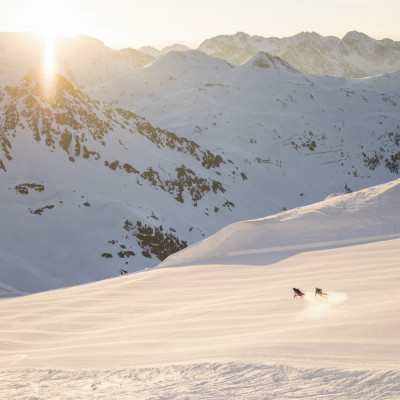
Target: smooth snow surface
{"type": "Point", "coordinates": [365, 216]}
{"type": "Point", "coordinates": [224, 329]}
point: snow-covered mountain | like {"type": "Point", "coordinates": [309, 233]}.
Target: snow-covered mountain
{"type": "Point", "coordinates": [88, 62]}
{"type": "Point", "coordinates": [86, 188]}
{"type": "Point", "coordinates": [277, 123]}
{"type": "Point", "coordinates": [174, 47]}
{"type": "Point", "coordinates": [356, 55]}
{"type": "Point", "coordinates": [224, 324]}
{"type": "Point", "coordinates": [84, 60]}
{"type": "Point", "coordinates": [138, 165]}
{"type": "Point", "coordinates": [151, 51]}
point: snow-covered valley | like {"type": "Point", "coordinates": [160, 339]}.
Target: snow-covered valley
{"type": "Point", "coordinates": [212, 323]}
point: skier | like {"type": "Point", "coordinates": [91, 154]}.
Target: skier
{"type": "Point", "coordinates": [319, 292]}
{"type": "Point", "coordinates": [297, 292]}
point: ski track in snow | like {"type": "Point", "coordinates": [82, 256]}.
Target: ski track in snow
{"type": "Point", "coordinates": [230, 380]}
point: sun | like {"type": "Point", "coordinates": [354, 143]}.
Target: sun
{"type": "Point", "coordinates": [52, 17]}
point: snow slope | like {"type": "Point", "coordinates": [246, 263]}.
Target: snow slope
{"type": "Point", "coordinates": [365, 216]}
{"type": "Point", "coordinates": [229, 328]}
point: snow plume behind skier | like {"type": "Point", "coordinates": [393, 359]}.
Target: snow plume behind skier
{"type": "Point", "coordinates": [318, 306]}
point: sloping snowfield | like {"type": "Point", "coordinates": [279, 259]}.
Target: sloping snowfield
{"type": "Point", "coordinates": [228, 329]}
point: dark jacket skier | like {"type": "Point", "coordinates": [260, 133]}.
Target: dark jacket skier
{"type": "Point", "coordinates": [319, 292]}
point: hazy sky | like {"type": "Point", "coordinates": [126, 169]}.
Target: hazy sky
{"type": "Point", "coordinates": [135, 23]}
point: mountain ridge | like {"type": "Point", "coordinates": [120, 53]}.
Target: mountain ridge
{"type": "Point", "coordinates": [356, 55]}
{"type": "Point", "coordinates": [88, 62]}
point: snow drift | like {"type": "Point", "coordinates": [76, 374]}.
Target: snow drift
{"type": "Point", "coordinates": [365, 216]}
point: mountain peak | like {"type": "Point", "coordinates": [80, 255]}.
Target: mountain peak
{"type": "Point", "coordinates": [268, 61]}
{"type": "Point", "coordinates": [355, 35]}
{"type": "Point", "coordinates": [242, 35]}
{"type": "Point", "coordinates": [181, 62]}
{"type": "Point", "coordinates": [174, 47]}
{"type": "Point", "coordinates": [151, 51]}
{"type": "Point", "coordinates": [358, 39]}
{"type": "Point", "coordinates": [308, 35]}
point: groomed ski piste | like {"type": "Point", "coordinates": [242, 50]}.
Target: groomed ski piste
{"type": "Point", "coordinates": [219, 320]}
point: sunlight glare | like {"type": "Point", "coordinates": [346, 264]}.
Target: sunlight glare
{"type": "Point", "coordinates": [53, 20]}
{"type": "Point", "coordinates": [49, 59]}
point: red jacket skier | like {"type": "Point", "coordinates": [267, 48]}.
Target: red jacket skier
{"type": "Point", "coordinates": [297, 292]}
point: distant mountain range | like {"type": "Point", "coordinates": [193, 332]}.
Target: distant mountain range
{"type": "Point", "coordinates": [356, 55]}
{"type": "Point", "coordinates": [155, 53]}
{"type": "Point", "coordinates": [119, 164]}
{"type": "Point", "coordinates": [87, 61]}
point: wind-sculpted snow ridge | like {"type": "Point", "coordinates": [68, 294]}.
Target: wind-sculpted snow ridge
{"type": "Point", "coordinates": [233, 380]}
{"type": "Point", "coordinates": [365, 216]}
{"type": "Point", "coordinates": [8, 291]}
